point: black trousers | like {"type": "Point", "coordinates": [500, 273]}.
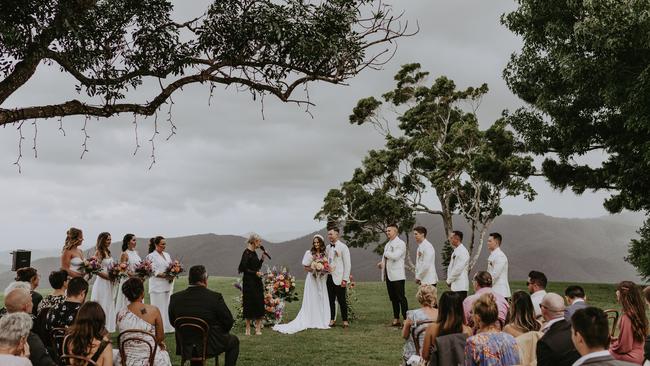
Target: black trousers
{"type": "Point", "coordinates": [397, 297]}
{"type": "Point", "coordinates": [335, 292]}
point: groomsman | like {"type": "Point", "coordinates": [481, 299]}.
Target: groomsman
{"type": "Point", "coordinates": [425, 264]}
{"type": "Point", "coordinates": [457, 271]}
{"type": "Point", "coordinates": [338, 256]}
{"type": "Point", "coordinates": [498, 266]}
{"type": "Point", "coordinates": [392, 266]}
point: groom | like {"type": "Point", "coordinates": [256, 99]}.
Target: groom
{"type": "Point", "coordinates": [338, 256]}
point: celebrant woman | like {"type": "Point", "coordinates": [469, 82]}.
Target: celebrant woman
{"type": "Point", "coordinates": [252, 286]}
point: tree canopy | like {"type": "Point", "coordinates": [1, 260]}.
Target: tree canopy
{"type": "Point", "coordinates": [583, 69]}
{"type": "Point", "coordinates": [113, 47]}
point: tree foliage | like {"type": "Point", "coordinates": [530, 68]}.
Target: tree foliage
{"type": "Point", "coordinates": [113, 47]}
{"type": "Point", "coordinates": [439, 162]}
{"type": "Point", "coordinates": [584, 71]}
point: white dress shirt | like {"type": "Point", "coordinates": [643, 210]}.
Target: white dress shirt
{"type": "Point", "coordinates": [393, 260]}
{"type": "Point", "coordinates": [457, 270]}
{"type": "Point", "coordinates": [588, 356]}
{"type": "Point", "coordinates": [536, 298]}
{"type": "Point", "coordinates": [339, 258]}
{"type": "Point", "coordinates": [498, 269]}
{"type": "Point", "coordinates": [425, 264]}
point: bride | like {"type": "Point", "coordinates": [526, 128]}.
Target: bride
{"type": "Point", "coordinates": [315, 311]}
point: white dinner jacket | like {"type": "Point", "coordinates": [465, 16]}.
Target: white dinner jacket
{"type": "Point", "coordinates": [393, 260]}
{"type": "Point", "coordinates": [339, 258]}
{"type": "Point", "coordinates": [425, 265]}
{"type": "Point", "coordinates": [159, 264]}
{"type": "Point", "coordinates": [498, 269]}
{"type": "Point", "coordinates": [457, 270]}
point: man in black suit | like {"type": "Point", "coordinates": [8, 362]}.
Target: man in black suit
{"type": "Point", "coordinates": [590, 335]}
{"type": "Point", "coordinates": [555, 347]}
{"type": "Point", "coordinates": [199, 302]}
{"type": "Point", "coordinates": [576, 299]}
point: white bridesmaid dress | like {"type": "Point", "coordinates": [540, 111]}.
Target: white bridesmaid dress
{"type": "Point", "coordinates": [102, 293]}
{"type": "Point", "coordinates": [121, 302]}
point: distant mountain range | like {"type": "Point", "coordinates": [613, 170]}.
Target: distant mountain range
{"type": "Point", "coordinates": [580, 250]}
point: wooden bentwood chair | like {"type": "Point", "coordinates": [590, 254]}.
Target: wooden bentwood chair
{"type": "Point", "coordinates": [136, 336]}
{"type": "Point", "coordinates": [191, 327]}
{"type": "Point", "coordinates": [612, 315]}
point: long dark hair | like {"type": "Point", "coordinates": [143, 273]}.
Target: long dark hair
{"type": "Point", "coordinates": [153, 242]}
{"type": "Point", "coordinates": [521, 313]}
{"type": "Point", "coordinates": [322, 245]}
{"type": "Point", "coordinates": [632, 302]}
{"type": "Point", "coordinates": [450, 313]}
{"type": "Point", "coordinates": [88, 325]}
{"type": "Point", "coordinates": [125, 241]}
{"type": "Point", "coordinates": [102, 245]}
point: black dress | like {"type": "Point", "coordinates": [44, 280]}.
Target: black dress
{"type": "Point", "coordinates": [252, 286]}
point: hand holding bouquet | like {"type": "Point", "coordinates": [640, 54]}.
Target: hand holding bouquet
{"type": "Point", "coordinates": [320, 266]}
{"type": "Point", "coordinates": [144, 269]}
{"type": "Point", "coordinates": [118, 271]}
{"type": "Point", "coordinates": [174, 270]}
{"type": "Point", "coordinates": [91, 266]}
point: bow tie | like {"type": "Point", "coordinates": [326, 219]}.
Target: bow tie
{"type": "Point", "coordinates": [332, 245]}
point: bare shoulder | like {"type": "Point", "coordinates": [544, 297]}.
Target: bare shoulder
{"type": "Point", "coordinates": [467, 330]}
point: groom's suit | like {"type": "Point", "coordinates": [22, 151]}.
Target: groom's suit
{"type": "Point", "coordinates": [338, 256]}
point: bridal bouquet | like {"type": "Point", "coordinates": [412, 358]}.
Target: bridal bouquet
{"type": "Point", "coordinates": [91, 266]}
{"type": "Point", "coordinates": [174, 269]}
{"type": "Point", "coordinates": [280, 284]}
{"type": "Point", "coordinates": [320, 266]}
{"type": "Point", "coordinates": [118, 271]}
{"type": "Point", "coordinates": [144, 269]}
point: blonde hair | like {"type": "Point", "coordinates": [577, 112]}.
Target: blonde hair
{"type": "Point", "coordinates": [427, 295]}
{"type": "Point", "coordinates": [486, 309]}
{"type": "Point", "coordinates": [252, 238]}
{"type": "Point", "coordinates": [72, 238]}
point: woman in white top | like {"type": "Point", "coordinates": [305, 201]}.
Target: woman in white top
{"type": "Point", "coordinates": [102, 291]}
{"type": "Point", "coordinates": [160, 285]}
{"type": "Point", "coordinates": [14, 330]}
{"type": "Point", "coordinates": [131, 258]}
{"type": "Point", "coordinates": [72, 257]}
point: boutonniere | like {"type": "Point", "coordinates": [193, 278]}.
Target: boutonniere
{"type": "Point", "coordinates": [419, 254]}
{"type": "Point", "coordinates": [453, 256]}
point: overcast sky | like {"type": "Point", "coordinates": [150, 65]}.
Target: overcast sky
{"type": "Point", "coordinates": [228, 170]}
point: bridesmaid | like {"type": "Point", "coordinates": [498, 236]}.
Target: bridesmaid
{"type": "Point", "coordinates": [252, 286]}
{"type": "Point", "coordinates": [102, 291]}
{"type": "Point", "coordinates": [72, 257]}
{"type": "Point", "coordinates": [160, 285]}
{"type": "Point", "coordinates": [131, 258]}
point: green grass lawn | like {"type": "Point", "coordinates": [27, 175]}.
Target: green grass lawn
{"type": "Point", "coordinates": [369, 341]}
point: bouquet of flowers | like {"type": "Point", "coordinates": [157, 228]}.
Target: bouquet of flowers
{"type": "Point", "coordinates": [118, 271]}
{"type": "Point", "coordinates": [320, 266]}
{"type": "Point", "coordinates": [351, 299]}
{"type": "Point", "coordinates": [144, 269]}
{"type": "Point", "coordinates": [273, 309]}
{"type": "Point", "coordinates": [280, 284]}
{"type": "Point", "coordinates": [91, 266]}
{"type": "Point", "coordinates": [174, 269]}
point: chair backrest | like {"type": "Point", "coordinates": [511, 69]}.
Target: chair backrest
{"type": "Point", "coordinates": [417, 331]}
{"type": "Point", "coordinates": [186, 330]}
{"type": "Point", "coordinates": [138, 337]}
{"type": "Point", "coordinates": [56, 337]}
{"type": "Point", "coordinates": [612, 315]}
{"type": "Point", "coordinates": [39, 324]}
{"type": "Point", "coordinates": [69, 360]}
{"type": "Point", "coordinates": [449, 350]}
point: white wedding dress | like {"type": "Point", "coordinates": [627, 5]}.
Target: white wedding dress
{"type": "Point", "coordinates": [315, 309]}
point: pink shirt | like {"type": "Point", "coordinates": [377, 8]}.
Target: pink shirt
{"type": "Point", "coordinates": [502, 305]}
{"type": "Point", "coordinates": [625, 348]}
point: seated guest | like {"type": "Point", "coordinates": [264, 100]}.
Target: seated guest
{"type": "Point", "coordinates": [576, 299]}
{"type": "Point", "coordinates": [200, 302]}
{"type": "Point", "coordinates": [31, 276]}
{"type": "Point", "coordinates": [87, 336]}
{"type": "Point", "coordinates": [426, 296]}
{"type": "Point", "coordinates": [59, 283]}
{"type": "Point", "coordinates": [63, 315]}
{"type": "Point", "coordinates": [20, 301]}
{"type": "Point", "coordinates": [12, 286]}
{"type": "Point", "coordinates": [633, 325]}
{"type": "Point", "coordinates": [521, 315]}
{"type": "Point", "coordinates": [450, 321]}
{"type": "Point", "coordinates": [482, 283]}
{"type": "Point", "coordinates": [590, 336]}
{"type": "Point", "coordinates": [646, 295]}
{"type": "Point", "coordinates": [490, 346]}
{"type": "Point", "coordinates": [138, 315]}
{"type": "Point", "coordinates": [555, 347]}
{"type": "Point", "coordinates": [537, 288]}
{"type": "Point", "coordinates": [14, 330]}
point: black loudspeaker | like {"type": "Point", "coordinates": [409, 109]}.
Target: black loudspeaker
{"type": "Point", "coordinates": [21, 259]}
